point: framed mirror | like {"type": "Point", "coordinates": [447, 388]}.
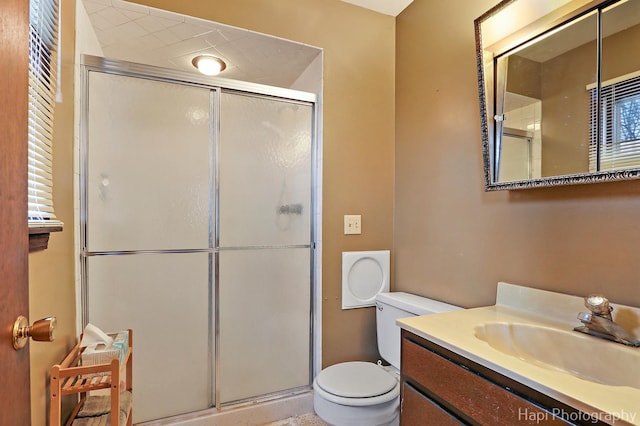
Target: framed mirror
{"type": "Point", "coordinates": [559, 86]}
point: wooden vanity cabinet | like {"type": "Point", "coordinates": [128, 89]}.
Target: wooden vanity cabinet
{"type": "Point", "coordinates": [418, 409]}
{"type": "Point", "coordinates": [439, 387]}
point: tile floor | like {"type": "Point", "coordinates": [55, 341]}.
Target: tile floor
{"type": "Point", "coordinates": [304, 420]}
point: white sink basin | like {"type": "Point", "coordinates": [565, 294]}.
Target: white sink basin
{"type": "Point", "coordinates": [583, 356]}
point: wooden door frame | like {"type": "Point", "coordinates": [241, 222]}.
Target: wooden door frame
{"type": "Point", "coordinates": [15, 404]}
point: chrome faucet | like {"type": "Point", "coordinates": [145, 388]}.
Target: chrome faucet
{"type": "Point", "coordinates": [599, 322]}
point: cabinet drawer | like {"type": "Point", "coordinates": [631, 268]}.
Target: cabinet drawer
{"type": "Point", "coordinates": [416, 409]}
{"type": "Point", "coordinates": [467, 394]}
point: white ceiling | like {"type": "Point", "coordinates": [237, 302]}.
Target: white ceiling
{"type": "Point", "coordinates": [136, 33]}
{"type": "Point", "coordinates": [387, 7]}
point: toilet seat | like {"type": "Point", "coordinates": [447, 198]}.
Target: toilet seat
{"type": "Point", "coordinates": [357, 383]}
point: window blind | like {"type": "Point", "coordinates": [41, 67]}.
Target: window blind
{"type": "Point", "coordinates": [43, 70]}
{"type": "Point", "coordinates": [619, 144]}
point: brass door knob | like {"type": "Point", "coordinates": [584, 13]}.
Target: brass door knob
{"type": "Point", "coordinates": [41, 331]}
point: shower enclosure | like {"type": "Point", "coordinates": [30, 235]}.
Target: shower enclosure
{"type": "Point", "coordinates": [197, 232]}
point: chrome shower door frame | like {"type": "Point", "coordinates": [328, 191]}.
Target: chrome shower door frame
{"type": "Point", "coordinates": [216, 86]}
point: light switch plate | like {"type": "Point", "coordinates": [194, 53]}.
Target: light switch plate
{"type": "Point", "coordinates": [352, 224]}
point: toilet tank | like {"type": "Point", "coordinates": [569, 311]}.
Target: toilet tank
{"type": "Point", "coordinates": [395, 305]}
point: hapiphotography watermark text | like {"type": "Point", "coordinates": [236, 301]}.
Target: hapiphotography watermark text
{"type": "Point", "coordinates": [525, 414]}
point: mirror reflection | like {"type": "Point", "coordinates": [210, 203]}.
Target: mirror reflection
{"type": "Point", "coordinates": [560, 92]}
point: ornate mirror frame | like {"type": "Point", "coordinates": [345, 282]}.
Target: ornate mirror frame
{"type": "Point", "coordinates": [486, 86]}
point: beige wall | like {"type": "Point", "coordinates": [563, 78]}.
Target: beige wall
{"type": "Point", "coordinates": [523, 77]}
{"type": "Point", "coordinates": [52, 272]}
{"type": "Point", "coordinates": [566, 111]}
{"type": "Point", "coordinates": [453, 241]}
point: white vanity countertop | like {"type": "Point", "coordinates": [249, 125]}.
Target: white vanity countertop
{"type": "Point", "coordinates": [455, 331]}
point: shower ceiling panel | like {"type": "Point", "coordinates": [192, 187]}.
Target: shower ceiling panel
{"type": "Point", "coordinates": [136, 33]}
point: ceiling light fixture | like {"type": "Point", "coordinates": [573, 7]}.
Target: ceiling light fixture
{"type": "Point", "coordinates": [209, 64]}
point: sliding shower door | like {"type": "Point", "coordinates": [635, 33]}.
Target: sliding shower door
{"type": "Point", "coordinates": [147, 251]}
{"type": "Point", "coordinates": [264, 237]}
{"type": "Point", "coordinates": [196, 233]}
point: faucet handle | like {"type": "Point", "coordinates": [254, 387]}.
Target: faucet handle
{"type": "Point", "coordinates": [584, 317]}
{"type": "Point", "coordinates": [598, 304]}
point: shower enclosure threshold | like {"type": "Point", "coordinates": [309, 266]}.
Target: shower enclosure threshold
{"type": "Point", "coordinates": [250, 414]}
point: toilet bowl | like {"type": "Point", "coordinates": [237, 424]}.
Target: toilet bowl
{"type": "Point", "coordinates": [358, 393]}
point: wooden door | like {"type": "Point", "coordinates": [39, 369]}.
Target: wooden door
{"type": "Point", "coordinates": [15, 406]}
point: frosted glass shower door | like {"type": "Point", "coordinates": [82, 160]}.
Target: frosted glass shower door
{"type": "Point", "coordinates": [148, 256]}
{"type": "Point", "coordinates": [149, 165]}
{"type": "Point", "coordinates": [163, 297]}
{"type": "Point", "coordinates": [264, 242]}
{"type": "Point", "coordinates": [265, 171]}
{"type": "Point", "coordinates": [264, 322]}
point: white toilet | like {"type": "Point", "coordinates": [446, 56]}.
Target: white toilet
{"type": "Point", "coordinates": [363, 393]}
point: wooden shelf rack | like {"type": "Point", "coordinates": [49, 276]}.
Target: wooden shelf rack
{"type": "Point", "coordinates": [71, 377]}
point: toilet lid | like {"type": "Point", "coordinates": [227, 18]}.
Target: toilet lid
{"type": "Point", "coordinates": [356, 379]}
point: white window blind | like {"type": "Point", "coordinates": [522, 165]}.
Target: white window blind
{"type": "Point", "coordinates": [43, 70]}
{"type": "Point", "coordinates": [619, 144]}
